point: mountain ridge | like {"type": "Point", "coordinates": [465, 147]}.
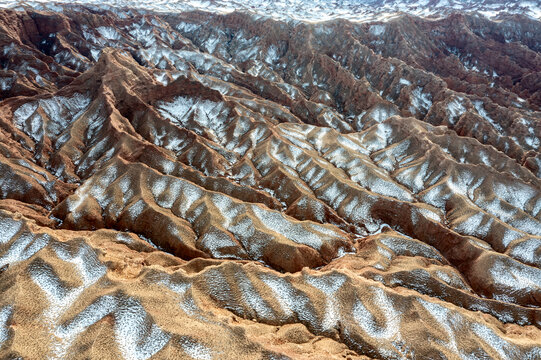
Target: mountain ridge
{"type": "Point", "coordinates": [308, 10]}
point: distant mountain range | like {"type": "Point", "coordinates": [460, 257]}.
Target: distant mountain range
{"type": "Point", "coordinates": [316, 10]}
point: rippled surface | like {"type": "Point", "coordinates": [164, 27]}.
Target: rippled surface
{"type": "Point", "coordinates": [222, 186]}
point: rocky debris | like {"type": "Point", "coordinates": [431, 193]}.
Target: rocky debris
{"type": "Point", "coordinates": [207, 186]}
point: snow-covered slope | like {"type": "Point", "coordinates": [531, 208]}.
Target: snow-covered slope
{"type": "Point", "coordinates": [315, 10]}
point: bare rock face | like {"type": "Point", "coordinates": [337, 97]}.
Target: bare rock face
{"type": "Point", "coordinates": [205, 186]}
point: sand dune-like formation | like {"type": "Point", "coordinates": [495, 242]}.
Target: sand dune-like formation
{"type": "Point", "coordinates": [206, 186]}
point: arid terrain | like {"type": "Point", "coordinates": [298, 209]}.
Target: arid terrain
{"type": "Point", "coordinates": [198, 185]}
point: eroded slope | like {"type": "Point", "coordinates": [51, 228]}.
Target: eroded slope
{"type": "Point", "coordinates": [206, 186]}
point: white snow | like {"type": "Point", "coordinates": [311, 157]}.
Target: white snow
{"type": "Point", "coordinates": [404, 82]}
{"type": "Point", "coordinates": [380, 113]}
{"type": "Point", "coordinates": [5, 314]}
{"type": "Point", "coordinates": [479, 106]}
{"type": "Point", "coordinates": [455, 109]}
{"type": "Point", "coordinates": [138, 337]}
{"type": "Point", "coordinates": [420, 100]}
{"type": "Point", "coordinates": [314, 11]}
{"type": "Point", "coordinates": [8, 228]}
{"type": "Point", "coordinates": [206, 114]}
{"type": "Point", "coordinates": [272, 55]}
{"type": "Point", "coordinates": [5, 83]}
{"type": "Point", "coordinates": [210, 44]}
{"type": "Point", "coordinates": [60, 112]}
{"type": "Point", "coordinates": [384, 326]}
{"type": "Point", "coordinates": [329, 286]}
{"type": "Point", "coordinates": [195, 349]}
{"type": "Point", "coordinates": [108, 33]}
{"type": "Point", "coordinates": [377, 30]}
